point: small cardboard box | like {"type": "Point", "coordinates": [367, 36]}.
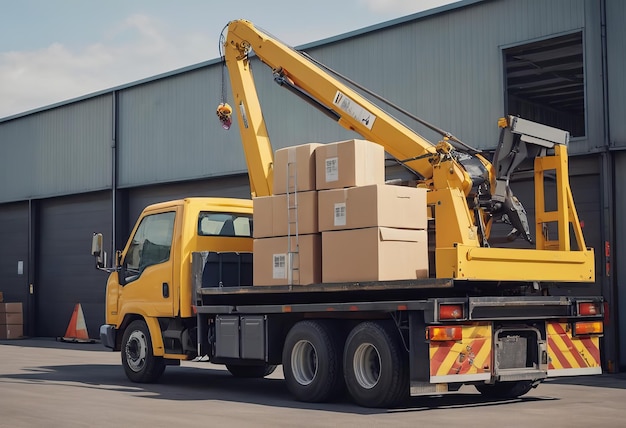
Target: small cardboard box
{"type": "Point", "coordinates": [271, 261]}
{"type": "Point", "coordinates": [1, 297]}
{"type": "Point", "coordinates": [295, 166]}
{"type": "Point", "coordinates": [11, 331]}
{"type": "Point", "coordinates": [348, 164]}
{"type": "Point", "coordinates": [274, 217]}
{"type": "Point", "coordinates": [11, 318]}
{"type": "Point", "coordinates": [374, 254]}
{"type": "Point", "coordinates": [369, 206]}
{"type": "Point", "coordinates": [14, 307]}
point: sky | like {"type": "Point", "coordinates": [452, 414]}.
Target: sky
{"type": "Point", "coordinates": [55, 50]}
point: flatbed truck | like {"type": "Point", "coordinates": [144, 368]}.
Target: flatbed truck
{"type": "Point", "coordinates": [182, 288]}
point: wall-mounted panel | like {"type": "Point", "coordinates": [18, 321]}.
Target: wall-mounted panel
{"type": "Point", "coordinates": [60, 151]}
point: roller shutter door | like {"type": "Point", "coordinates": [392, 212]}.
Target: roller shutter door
{"type": "Point", "coordinates": [13, 250]}
{"type": "Point", "coordinates": [66, 274]}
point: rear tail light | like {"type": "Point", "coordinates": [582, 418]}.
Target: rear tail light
{"type": "Point", "coordinates": [589, 308]}
{"type": "Point", "coordinates": [451, 312]}
{"type": "Point", "coordinates": [586, 328]}
{"type": "Point", "coordinates": [445, 334]}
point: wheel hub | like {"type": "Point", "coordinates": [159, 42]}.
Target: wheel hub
{"type": "Point", "coordinates": [366, 365]}
{"type": "Point", "coordinates": [304, 362]}
{"type": "Point", "coordinates": [136, 349]}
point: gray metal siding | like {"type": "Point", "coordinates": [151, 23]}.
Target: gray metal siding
{"type": "Point", "coordinates": [67, 275]}
{"type": "Point", "coordinates": [168, 131]}
{"type": "Point", "coordinates": [56, 152]}
{"type": "Point", "coordinates": [616, 49]}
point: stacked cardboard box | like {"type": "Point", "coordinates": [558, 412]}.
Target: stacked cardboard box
{"type": "Point", "coordinates": [11, 320]}
{"type": "Point", "coordinates": [351, 226]}
{"type": "Point", "coordinates": [291, 211]}
{"type": "Point", "coordinates": [370, 231]}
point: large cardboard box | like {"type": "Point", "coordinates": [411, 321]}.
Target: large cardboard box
{"type": "Point", "coordinates": [11, 331]}
{"type": "Point", "coordinates": [271, 261]}
{"type": "Point", "coordinates": [374, 254]}
{"type": "Point", "coordinates": [11, 318]}
{"type": "Point", "coordinates": [295, 166]}
{"type": "Point", "coordinates": [348, 164]}
{"type": "Point", "coordinates": [274, 217]}
{"type": "Point", "coordinates": [11, 307]}
{"type": "Point", "coordinates": [374, 205]}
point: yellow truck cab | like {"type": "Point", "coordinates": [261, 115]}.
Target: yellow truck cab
{"type": "Point", "coordinates": [151, 286]}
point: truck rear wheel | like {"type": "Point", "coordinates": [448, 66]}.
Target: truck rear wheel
{"type": "Point", "coordinates": [505, 389]}
{"type": "Point", "coordinates": [312, 361]}
{"type": "Point", "coordinates": [250, 371]}
{"type": "Point", "coordinates": [375, 365]}
{"type": "Point", "coordinates": [139, 362]}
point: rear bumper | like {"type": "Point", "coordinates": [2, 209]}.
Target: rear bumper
{"type": "Point", "coordinates": [107, 335]}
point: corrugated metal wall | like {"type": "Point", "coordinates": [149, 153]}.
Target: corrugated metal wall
{"type": "Point", "coordinates": [616, 62]}
{"type": "Point", "coordinates": [168, 131]}
{"type": "Point", "coordinates": [56, 152]}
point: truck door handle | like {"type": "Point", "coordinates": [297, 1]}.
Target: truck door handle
{"type": "Point", "coordinates": [166, 290]}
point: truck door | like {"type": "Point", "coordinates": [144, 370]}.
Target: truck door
{"type": "Point", "coordinates": [147, 266]}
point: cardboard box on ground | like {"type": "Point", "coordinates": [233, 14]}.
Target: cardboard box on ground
{"type": "Point", "coordinates": [11, 320]}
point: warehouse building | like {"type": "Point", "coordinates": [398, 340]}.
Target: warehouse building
{"type": "Point", "coordinates": [92, 164]}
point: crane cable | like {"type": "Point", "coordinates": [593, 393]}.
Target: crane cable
{"type": "Point", "coordinates": [224, 110]}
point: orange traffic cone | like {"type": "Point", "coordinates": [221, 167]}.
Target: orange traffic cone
{"type": "Point", "coordinates": [77, 329]}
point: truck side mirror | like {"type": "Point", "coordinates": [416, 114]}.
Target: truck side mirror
{"type": "Point", "coordinates": [96, 250]}
{"type": "Point", "coordinates": [118, 258]}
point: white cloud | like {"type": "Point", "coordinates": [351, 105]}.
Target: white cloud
{"type": "Point", "coordinates": [136, 48]}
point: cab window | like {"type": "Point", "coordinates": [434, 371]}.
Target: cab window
{"type": "Point", "coordinates": [224, 224]}
{"type": "Point", "coordinates": [151, 243]}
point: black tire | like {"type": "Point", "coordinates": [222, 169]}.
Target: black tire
{"type": "Point", "coordinates": [312, 361]}
{"type": "Point", "coordinates": [505, 389]}
{"type": "Point", "coordinates": [251, 371]}
{"type": "Point", "coordinates": [375, 365]}
{"type": "Point", "coordinates": [139, 362]}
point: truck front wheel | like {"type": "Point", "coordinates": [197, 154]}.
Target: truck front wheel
{"type": "Point", "coordinates": [375, 365]}
{"type": "Point", "coordinates": [312, 361]}
{"type": "Point", "coordinates": [139, 362]}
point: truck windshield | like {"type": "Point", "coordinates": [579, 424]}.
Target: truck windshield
{"type": "Point", "coordinates": [224, 224]}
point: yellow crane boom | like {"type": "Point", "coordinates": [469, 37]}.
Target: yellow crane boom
{"type": "Point", "coordinates": [466, 192]}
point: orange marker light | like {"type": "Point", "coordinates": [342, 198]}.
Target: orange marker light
{"type": "Point", "coordinates": [445, 334]}
{"type": "Point", "coordinates": [584, 328]}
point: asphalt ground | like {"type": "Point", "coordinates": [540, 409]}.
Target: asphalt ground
{"type": "Point", "coordinates": [45, 383]}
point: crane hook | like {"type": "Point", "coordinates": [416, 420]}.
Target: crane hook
{"type": "Point", "coordinates": [224, 114]}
